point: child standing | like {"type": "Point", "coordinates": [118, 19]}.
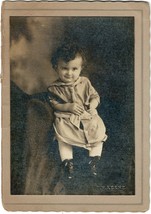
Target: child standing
{"type": "Point", "coordinates": [74, 101]}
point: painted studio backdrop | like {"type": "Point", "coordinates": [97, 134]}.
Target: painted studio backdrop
{"type": "Point", "coordinates": [108, 43]}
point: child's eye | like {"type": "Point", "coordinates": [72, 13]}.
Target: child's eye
{"type": "Point", "coordinates": [74, 69]}
{"type": "Point", "coordinates": [64, 68]}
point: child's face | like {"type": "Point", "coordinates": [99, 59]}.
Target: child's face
{"type": "Point", "coordinates": [70, 71]}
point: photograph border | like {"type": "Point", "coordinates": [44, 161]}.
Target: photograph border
{"type": "Point", "coordinates": [137, 202]}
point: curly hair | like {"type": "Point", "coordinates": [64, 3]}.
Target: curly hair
{"type": "Point", "coordinates": [66, 52]}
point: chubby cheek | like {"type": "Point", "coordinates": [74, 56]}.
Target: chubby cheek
{"type": "Point", "coordinates": [77, 74]}
{"type": "Point", "coordinates": [60, 73]}
{"type": "Point", "coordinates": [63, 73]}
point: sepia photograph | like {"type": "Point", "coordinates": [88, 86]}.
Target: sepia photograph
{"type": "Point", "coordinates": [74, 95]}
{"type": "Point", "coordinates": [70, 135]}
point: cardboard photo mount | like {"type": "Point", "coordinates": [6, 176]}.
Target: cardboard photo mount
{"type": "Point", "coordinates": [140, 200]}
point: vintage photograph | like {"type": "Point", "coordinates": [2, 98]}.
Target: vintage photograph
{"type": "Point", "coordinates": [75, 93]}
{"type": "Point", "coordinates": [72, 105]}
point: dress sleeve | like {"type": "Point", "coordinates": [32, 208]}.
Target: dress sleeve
{"type": "Point", "coordinates": [93, 94]}
{"type": "Point", "coordinates": [53, 98]}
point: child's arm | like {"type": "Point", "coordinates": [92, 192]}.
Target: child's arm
{"type": "Point", "coordinates": [93, 103]}
{"type": "Point", "coordinates": [59, 105]}
{"type": "Point", "coordinates": [74, 108]}
{"type": "Point", "coordinates": [94, 99]}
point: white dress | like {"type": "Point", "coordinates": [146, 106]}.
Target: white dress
{"type": "Point", "coordinates": [67, 125]}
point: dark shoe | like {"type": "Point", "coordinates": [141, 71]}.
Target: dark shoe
{"type": "Point", "coordinates": [68, 168]}
{"type": "Point", "coordinates": [93, 163]}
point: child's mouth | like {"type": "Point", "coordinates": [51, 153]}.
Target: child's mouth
{"type": "Point", "coordinates": [68, 77]}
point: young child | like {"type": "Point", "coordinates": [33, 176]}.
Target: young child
{"type": "Point", "coordinates": [74, 101]}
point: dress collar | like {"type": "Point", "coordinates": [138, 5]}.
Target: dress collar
{"type": "Point", "coordinates": [60, 83]}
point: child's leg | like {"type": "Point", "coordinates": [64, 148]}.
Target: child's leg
{"type": "Point", "coordinates": [66, 154]}
{"type": "Point", "coordinates": [97, 150]}
{"type": "Point", "coordinates": [95, 155]}
{"type": "Point", "coordinates": [65, 151]}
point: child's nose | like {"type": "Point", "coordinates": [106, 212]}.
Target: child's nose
{"type": "Point", "coordinates": [70, 71]}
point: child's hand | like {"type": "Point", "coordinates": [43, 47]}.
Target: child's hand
{"type": "Point", "coordinates": [92, 107]}
{"type": "Point", "coordinates": [75, 108]}
{"type": "Point", "coordinates": [91, 111]}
